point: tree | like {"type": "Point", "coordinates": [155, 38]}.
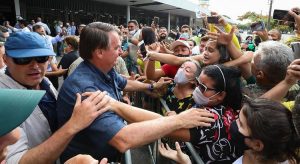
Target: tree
{"type": "Point", "coordinates": [254, 17]}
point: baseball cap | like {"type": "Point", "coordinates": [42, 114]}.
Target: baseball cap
{"type": "Point", "coordinates": [16, 106]}
{"type": "Point", "coordinates": [180, 43]}
{"type": "Point", "coordinates": [27, 44]}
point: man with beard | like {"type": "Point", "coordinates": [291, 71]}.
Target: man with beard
{"type": "Point", "coordinates": [180, 48]}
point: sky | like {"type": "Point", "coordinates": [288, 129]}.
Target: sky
{"type": "Point", "coordinates": [235, 8]}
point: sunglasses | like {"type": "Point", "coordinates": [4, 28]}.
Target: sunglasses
{"type": "Point", "coordinates": [203, 88]}
{"type": "Point", "coordinates": [25, 61]}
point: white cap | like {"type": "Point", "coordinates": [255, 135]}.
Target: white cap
{"type": "Point", "coordinates": [180, 43]}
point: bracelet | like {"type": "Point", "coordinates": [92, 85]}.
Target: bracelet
{"type": "Point", "coordinates": [151, 87]}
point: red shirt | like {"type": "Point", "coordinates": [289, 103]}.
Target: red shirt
{"type": "Point", "coordinates": [170, 70]}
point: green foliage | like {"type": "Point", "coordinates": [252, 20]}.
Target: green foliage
{"type": "Point", "coordinates": [254, 17]}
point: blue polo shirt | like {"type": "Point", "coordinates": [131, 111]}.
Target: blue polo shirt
{"type": "Point", "coordinates": [94, 139]}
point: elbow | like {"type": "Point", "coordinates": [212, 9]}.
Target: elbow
{"type": "Point", "coordinates": [120, 142]}
{"type": "Point", "coordinates": [123, 148]}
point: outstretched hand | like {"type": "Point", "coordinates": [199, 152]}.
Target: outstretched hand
{"type": "Point", "coordinates": [195, 117]}
{"type": "Point", "coordinates": [176, 155]}
{"type": "Point", "coordinates": [293, 72]}
{"type": "Point", "coordinates": [222, 37]}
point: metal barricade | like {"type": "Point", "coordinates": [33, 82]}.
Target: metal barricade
{"type": "Point", "coordinates": [138, 98]}
{"type": "Point", "coordinates": [190, 147]}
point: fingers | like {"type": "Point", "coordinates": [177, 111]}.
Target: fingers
{"type": "Point", "coordinates": [178, 149]}
{"type": "Point", "coordinates": [232, 30]}
{"type": "Point", "coordinates": [101, 100]}
{"type": "Point", "coordinates": [93, 96]}
{"type": "Point", "coordinates": [103, 161]}
{"type": "Point", "coordinates": [218, 29]}
{"type": "Point", "coordinates": [78, 99]}
{"type": "Point", "coordinates": [295, 62]}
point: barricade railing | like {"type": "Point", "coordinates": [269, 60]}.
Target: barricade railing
{"type": "Point", "coordinates": [154, 104]}
{"type": "Point", "coordinates": [190, 147]}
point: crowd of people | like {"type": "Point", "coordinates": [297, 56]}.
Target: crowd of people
{"type": "Point", "coordinates": [236, 102]}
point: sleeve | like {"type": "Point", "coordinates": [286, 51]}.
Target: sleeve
{"type": "Point", "coordinates": [167, 69]}
{"type": "Point", "coordinates": [123, 69]}
{"type": "Point", "coordinates": [235, 40]}
{"type": "Point", "coordinates": [121, 81]}
{"type": "Point", "coordinates": [17, 150]}
{"type": "Point", "coordinates": [56, 39]}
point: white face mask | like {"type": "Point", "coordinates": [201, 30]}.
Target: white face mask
{"type": "Point", "coordinates": [200, 99]}
{"type": "Point", "coordinates": [132, 32]}
{"type": "Point", "coordinates": [180, 77]}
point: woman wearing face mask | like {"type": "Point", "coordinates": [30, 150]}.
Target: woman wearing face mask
{"type": "Point", "coordinates": [218, 92]}
{"type": "Point", "coordinates": [179, 94]}
{"type": "Point", "coordinates": [270, 131]}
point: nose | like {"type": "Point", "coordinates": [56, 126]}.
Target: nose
{"type": "Point", "coordinates": [34, 64]}
{"type": "Point", "coordinates": [120, 51]}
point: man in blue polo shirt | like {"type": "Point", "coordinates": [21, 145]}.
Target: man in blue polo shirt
{"type": "Point", "coordinates": [41, 141]}
{"type": "Point", "coordinates": [108, 135]}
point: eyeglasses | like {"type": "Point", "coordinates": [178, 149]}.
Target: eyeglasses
{"type": "Point", "coordinates": [24, 61]}
{"type": "Point", "coordinates": [203, 88]}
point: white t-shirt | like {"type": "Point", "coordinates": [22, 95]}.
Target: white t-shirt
{"type": "Point", "coordinates": [133, 48]}
{"type": "Point", "coordinates": [196, 50]}
{"type": "Point", "coordinates": [2, 70]}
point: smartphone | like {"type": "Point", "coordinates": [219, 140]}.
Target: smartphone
{"type": "Point", "coordinates": [257, 26]}
{"type": "Point", "coordinates": [213, 20]}
{"type": "Point", "coordinates": [296, 49]}
{"type": "Point", "coordinates": [283, 15]}
{"type": "Point", "coordinates": [156, 21]}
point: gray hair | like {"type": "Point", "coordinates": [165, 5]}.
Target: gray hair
{"type": "Point", "coordinates": [275, 57]}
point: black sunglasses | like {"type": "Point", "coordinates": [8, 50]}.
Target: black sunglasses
{"type": "Point", "coordinates": [24, 61]}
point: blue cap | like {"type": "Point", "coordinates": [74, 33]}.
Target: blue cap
{"type": "Point", "coordinates": [27, 44]}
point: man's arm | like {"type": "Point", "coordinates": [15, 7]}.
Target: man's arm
{"type": "Point", "coordinates": [135, 85]}
{"type": "Point", "coordinates": [83, 115]}
{"type": "Point", "coordinates": [151, 72]}
{"type": "Point", "coordinates": [143, 131]}
{"type": "Point", "coordinates": [167, 58]}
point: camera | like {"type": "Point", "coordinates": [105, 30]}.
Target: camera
{"type": "Point", "coordinates": [213, 20]}
{"type": "Point", "coordinates": [257, 26]}
{"type": "Point", "coordinates": [283, 15]}
{"type": "Point", "coordinates": [296, 49]}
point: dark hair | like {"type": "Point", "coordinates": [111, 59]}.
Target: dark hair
{"type": "Point", "coordinates": [148, 35]}
{"type": "Point", "coordinates": [232, 87]}
{"type": "Point", "coordinates": [194, 42]}
{"type": "Point", "coordinates": [73, 41]}
{"type": "Point", "coordinates": [204, 38]}
{"type": "Point", "coordinates": [93, 36]}
{"type": "Point", "coordinates": [271, 122]}
{"type": "Point", "coordinates": [224, 56]}
{"type": "Point", "coordinates": [133, 21]}
{"type": "Point", "coordinates": [185, 26]}
{"type": "Point", "coordinates": [24, 22]}
{"type": "Point", "coordinates": [36, 27]}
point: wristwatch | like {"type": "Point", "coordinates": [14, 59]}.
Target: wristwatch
{"type": "Point", "coordinates": [151, 87]}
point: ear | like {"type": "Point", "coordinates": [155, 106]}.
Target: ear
{"type": "Point", "coordinates": [5, 59]}
{"type": "Point", "coordinates": [260, 75]}
{"type": "Point", "coordinates": [98, 53]}
{"type": "Point", "coordinates": [221, 96]}
{"type": "Point", "coordinates": [257, 145]}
